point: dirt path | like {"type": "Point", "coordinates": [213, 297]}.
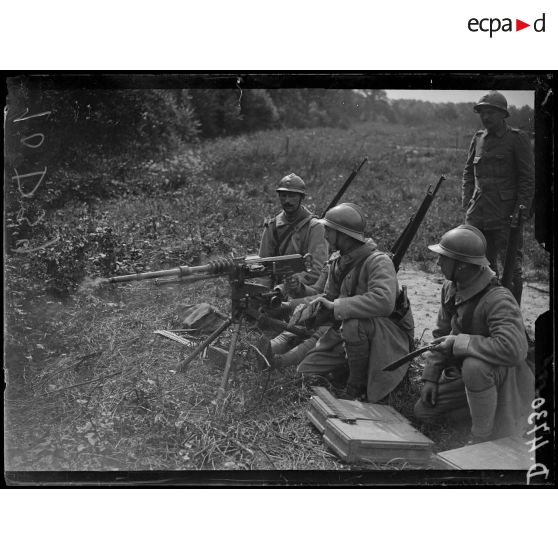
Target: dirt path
{"type": "Point", "coordinates": [424, 292]}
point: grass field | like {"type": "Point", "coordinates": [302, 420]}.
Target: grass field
{"type": "Point", "coordinates": [91, 387]}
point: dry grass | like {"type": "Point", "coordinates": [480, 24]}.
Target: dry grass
{"type": "Point", "coordinates": [115, 400]}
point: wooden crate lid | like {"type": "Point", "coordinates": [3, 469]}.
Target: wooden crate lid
{"type": "Point", "coordinates": [326, 405]}
{"type": "Point", "coordinates": [370, 433]}
{"type": "Point", "coordinates": [511, 453]}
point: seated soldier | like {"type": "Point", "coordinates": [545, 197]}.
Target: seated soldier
{"type": "Point", "coordinates": [360, 295]}
{"type": "Point", "coordinates": [479, 367]}
{"type": "Point", "coordinates": [295, 230]}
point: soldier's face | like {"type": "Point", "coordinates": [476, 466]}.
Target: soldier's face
{"type": "Point", "coordinates": [492, 119]}
{"type": "Point", "coordinates": [447, 267]}
{"type": "Point", "coordinates": [331, 238]}
{"type": "Point", "coordinates": [290, 201]}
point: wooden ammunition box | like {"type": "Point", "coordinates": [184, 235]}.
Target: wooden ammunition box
{"type": "Point", "coordinates": [377, 442]}
{"type": "Point", "coordinates": [502, 454]}
{"type": "Point", "coordinates": [324, 406]}
{"type": "Point", "coordinates": [366, 432]}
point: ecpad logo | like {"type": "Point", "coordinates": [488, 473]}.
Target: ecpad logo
{"type": "Point", "coordinates": [494, 24]}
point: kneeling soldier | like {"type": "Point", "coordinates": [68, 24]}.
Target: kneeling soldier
{"type": "Point", "coordinates": [479, 367]}
{"type": "Point", "coordinates": [360, 294]}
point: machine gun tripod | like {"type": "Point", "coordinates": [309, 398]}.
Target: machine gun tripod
{"type": "Point", "coordinates": [247, 293]}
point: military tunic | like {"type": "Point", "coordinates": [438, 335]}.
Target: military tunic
{"type": "Point", "coordinates": [499, 176]}
{"type": "Point", "coordinates": [307, 237]}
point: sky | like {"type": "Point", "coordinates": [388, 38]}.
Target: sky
{"type": "Point", "coordinates": [516, 98]}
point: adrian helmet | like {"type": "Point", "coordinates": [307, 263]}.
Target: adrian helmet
{"type": "Point", "coordinates": [292, 183]}
{"type": "Point", "coordinates": [464, 244]}
{"type": "Point", "coordinates": [346, 218]}
{"type": "Point", "coordinates": [493, 99]}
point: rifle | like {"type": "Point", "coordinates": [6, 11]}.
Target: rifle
{"type": "Point", "coordinates": [398, 251]}
{"type": "Point", "coordinates": [514, 238]}
{"type": "Point", "coordinates": [343, 188]}
{"type": "Point", "coordinates": [402, 243]}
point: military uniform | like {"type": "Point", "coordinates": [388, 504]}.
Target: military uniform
{"type": "Point", "coordinates": [490, 350]}
{"type": "Point", "coordinates": [281, 238]}
{"type": "Point", "coordinates": [498, 177]}
{"type": "Point", "coordinates": [364, 287]}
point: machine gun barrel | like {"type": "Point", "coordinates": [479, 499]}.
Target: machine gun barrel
{"type": "Point", "coordinates": [253, 266]}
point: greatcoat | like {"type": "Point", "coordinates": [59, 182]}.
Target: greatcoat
{"type": "Point", "coordinates": [496, 336]}
{"type": "Point", "coordinates": [369, 294]}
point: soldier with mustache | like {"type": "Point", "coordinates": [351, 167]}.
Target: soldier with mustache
{"type": "Point", "coordinates": [295, 230]}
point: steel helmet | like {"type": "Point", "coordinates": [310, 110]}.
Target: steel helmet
{"type": "Point", "coordinates": [493, 99]}
{"type": "Point", "coordinates": [292, 183]}
{"type": "Point", "coordinates": [464, 244]}
{"type": "Point", "coordinates": [346, 218]}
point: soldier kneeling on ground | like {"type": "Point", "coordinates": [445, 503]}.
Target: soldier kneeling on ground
{"type": "Point", "coordinates": [479, 367]}
{"type": "Point", "coordinates": [359, 299]}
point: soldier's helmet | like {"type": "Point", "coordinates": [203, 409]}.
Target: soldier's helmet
{"type": "Point", "coordinates": [464, 244]}
{"type": "Point", "coordinates": [493, 99]}
{"type": "Point", "coordinates": [292, 183]}
{"type": "Point", "coordinates": [346, 218]}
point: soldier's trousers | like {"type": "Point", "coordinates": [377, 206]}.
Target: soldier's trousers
{"type": "Point", "coordinates": [473, 377]}
{"type": "Point", "coordinates": [341, 354]}
{"type": "Point", "coordinates": [496, 246]}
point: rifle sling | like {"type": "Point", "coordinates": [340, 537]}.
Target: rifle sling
{"type": "Point", "coordinates": [282, 240]}
{"type": "Point", "coordinates": [471, 306]}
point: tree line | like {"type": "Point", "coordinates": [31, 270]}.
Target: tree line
{"type": "Point", "coordinates": [97, 122]}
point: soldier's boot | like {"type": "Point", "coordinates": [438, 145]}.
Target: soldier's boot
{"type": "Point", "coordinates": [283, 343]}
{"type": "Point", "coordinates": [482, 405]}
{"type": "Point", "coordinates": [294, 356]}
{"type": "Point", "coordinates": [357, 383]}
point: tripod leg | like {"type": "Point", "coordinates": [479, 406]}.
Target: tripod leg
{"type": "Point", "coordinates": [183, 364]}
{"type": "Point", "coordinates": [225, 378]}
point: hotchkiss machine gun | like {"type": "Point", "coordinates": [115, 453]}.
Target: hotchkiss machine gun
{"type": "Point", "coordinates": [246, 292]}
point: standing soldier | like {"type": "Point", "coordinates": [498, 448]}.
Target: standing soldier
{"type": "Point", "coordinates": [479, 367]}
{"type": "Point", "coordinates": [499, 177]}
{"type": "Point", "coordinates": [360, 294]}
{"type": "Point", "coordinates": [295, 231]}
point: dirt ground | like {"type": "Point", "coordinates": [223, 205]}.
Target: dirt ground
{"type": "Point", "coordinates": [424, 288]}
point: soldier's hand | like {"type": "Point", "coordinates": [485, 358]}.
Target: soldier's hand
{"type": "Point", "coordinates": [429, 393]}
{"type": "Point", "coordinates": [323, 302]}
{"type": "Point", "coordinates": [293, 286]}
{"type": "Point", "coordinates": [444, 345]}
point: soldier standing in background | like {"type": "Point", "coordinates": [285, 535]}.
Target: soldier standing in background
{"type": "Point", "coordinates": [499, 177]}
{"type": "Point", "coordinates": [295, 230]}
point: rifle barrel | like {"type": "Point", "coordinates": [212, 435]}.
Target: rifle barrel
{"type": "Point", "coordinates": [343, 188]}
{"type": "Point", "coordinates": [403, 242]}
